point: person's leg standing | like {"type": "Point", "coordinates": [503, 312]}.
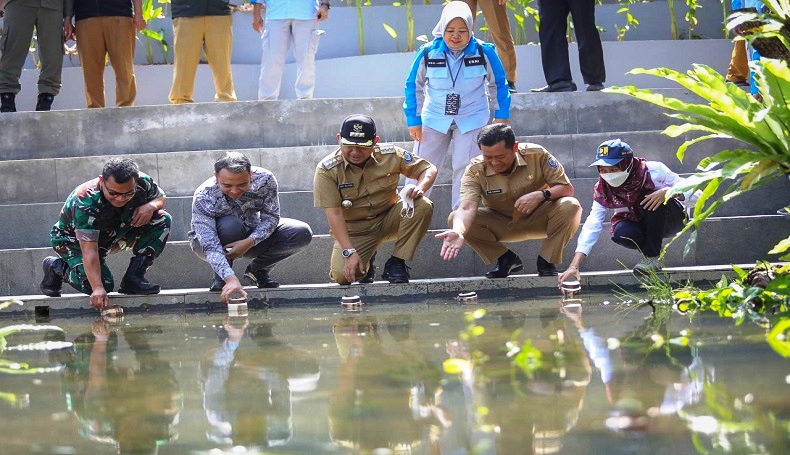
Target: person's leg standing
{"type": "Point", "coordinates": [433, 147]}
{"type": "Point", "coordinates": [553, 43]}
{"type": "Point", "coordinates": [591, 59]}
{"type": "Point", "coordinates": [91, 34]}
{"type": "Point", "coordinates": [218, 46]}
{"type": "Point", "coordinates": [188, 33]}
{"type": "Point", "coordinates": [305, 45]}
{"type": "Point", "coordinates": [499, 27]}
{"type": "Point", "coordinates": [120, 34]}
{"type": "Point", "coordinates": [290, 237]}
{"type": "Point", "coordinates": [49, 32]}
{"type": "Point", "coordinates": [275, 42]}
{"type": "Point", "coordinates": [464, 148]}
{"type": "Point", "coordinates": [15, 45]}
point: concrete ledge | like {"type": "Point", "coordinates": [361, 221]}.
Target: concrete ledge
{"type": "Point", "coordinates": [446, 289]}
{"type": "Point", "coordinates": [253, 124]}
{"type": "Point", "coordinates": [178, 267]}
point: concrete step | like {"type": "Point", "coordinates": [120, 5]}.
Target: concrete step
{"type": "Point", "coordinates": [29, 224]}
{"type": "Point", "coordinates": [240, 125]}
{"type": "Point", "coordinates": [178, 267]}
{"type": "Point", "coordinates": [51, 180]}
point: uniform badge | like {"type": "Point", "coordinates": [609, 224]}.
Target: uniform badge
{"type": "Point", "coordinates": [408, 157]}
{"type": "Point", "coordinates": [553, 163]}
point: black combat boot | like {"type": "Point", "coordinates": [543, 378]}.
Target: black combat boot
{"type": "Point", "coordinates": [54, 270]}
{"type": "Point", "coordinates": [218, 283]}
{"type": "Point", "coordinates": [370, 276]}
{"type": "Point", "coordinates": [260, 278]}
{"type": "Point", "coordinates": [44, 101]}
{"type": "Point", "coordinates": [134, 281]}
{"type": "Point", "coordinates": [7, 102]}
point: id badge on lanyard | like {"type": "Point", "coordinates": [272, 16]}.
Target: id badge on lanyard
{"type": "Point", "coordinates": [452, 102]}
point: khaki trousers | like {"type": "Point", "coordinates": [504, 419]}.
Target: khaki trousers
{"type": "Point", "coordinates": [212, 35]}
{"type": "Point", "coordinates": [499, 27]}
{"type": "Point", "coordinates": [97, 39]}
{"type": "Point", "coordinates": [368, 235]}
{"type": "Point", "coordinates": [739, 63]}
{"type": "Point", "coordinates": [555, 221]}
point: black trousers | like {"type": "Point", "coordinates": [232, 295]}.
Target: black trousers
{"type": "Point", "coordinates": [648, 234]}
{"type": "Point", "coordinates": [554, 44]}
{"type": "Point", "coordinates": [290, 237]}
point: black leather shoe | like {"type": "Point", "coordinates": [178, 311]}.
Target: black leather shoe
{"type": "Point", "coordinates": [44, 102]}
{"type": "Point", "coordinates": [261, 279]}
{"type": "Point", "coordinates": [505, 265]}
{"type": "Point", "coordinates": [595, 87]}
{"type": "Point", "coordinates": [511, 86]}
{"type": "Point", "coordinates": [216, 284]}
{"type": "Point", "coordinates": [546, 268]}
{"type": "Point", "coordinates": [396, 271]}
{"type": "Point", "coordinates": [559, 86]}
{"type": "Point", "coordinates": [7, 102]}
{"type": "Point", "coordinates": [371, 275]}
{"type": "Point", "coordinates": [54, 269]}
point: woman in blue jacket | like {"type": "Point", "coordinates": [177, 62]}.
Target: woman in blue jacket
{"type": "Point", "coordinates": [455, 83]}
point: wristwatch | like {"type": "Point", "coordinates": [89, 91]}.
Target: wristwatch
{"type": "Point", "coordinates": [348, 252]}
{"type": "Point", "coordinates": [547, 195]}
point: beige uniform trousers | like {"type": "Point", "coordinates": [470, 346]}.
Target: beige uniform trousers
{"type": "Point", "coordinates": [738, 70]}
{"type": "Point", "coordinates": [97, 39]}
{"type": "Point", "coordinates": [368, 235]}
{"type": "Point", "coordinates": [555, 221]}
{"type": "Point", "coordinates": [212, 35]}
{"type": "Point", "coordinates": [499, 27]}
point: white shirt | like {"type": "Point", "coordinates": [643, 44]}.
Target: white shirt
{"type": "Point", "coordinates": [661, 176]}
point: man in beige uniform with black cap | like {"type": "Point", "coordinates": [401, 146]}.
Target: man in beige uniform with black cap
{"type": "Point", "coordinates": [357, 188]}
{"type": "Point", "coordinates": [525, 194]}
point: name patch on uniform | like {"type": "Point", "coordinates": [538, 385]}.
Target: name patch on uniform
{"type": "Point", "coordinates": [496, 191]}
{"type": "Point", "coordinates": [345, 185]}
{"type": "Point", "coordinates": [435, 62]}
{"type": "Point", "coordinates": [473, 61]}
{"type": "Point", "coordinates": [553, 163]}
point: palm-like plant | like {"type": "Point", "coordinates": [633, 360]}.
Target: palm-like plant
{"type": "Point", "coordinates": [729, 112]}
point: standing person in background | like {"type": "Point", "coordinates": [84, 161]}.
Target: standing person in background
{"type": "Point", "coordinates": [20, 18]}
{"type": "Point", "coordinates": [554, 45]}
{"type": "Point", "coordinates": [635, 189]}
{"type": "Point", "coordinates": [201, 25]}
{"type": "Point", "coordinates": [495, 14]}
{"type": "Point", "coordinates": [103, 30]}
{"type": "Point", "coordinates": [455, 83]}
{"type": "Point", "coordinates": [289, 24]}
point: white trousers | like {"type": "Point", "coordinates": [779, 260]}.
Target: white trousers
{"type": "Point", "coordinates": [278, 36]}
{"type": "Point", "coordinates": [434, 147]}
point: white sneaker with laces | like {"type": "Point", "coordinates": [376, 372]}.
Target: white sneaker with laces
{"type": "Point", "coordinates": [647, 266]}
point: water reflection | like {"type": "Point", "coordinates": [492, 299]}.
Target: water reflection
{"type": "Point", "coordinates": [381, 390]}
{"type": "Point", "coordinates": [249, 384]}
{"type": "Point", "coordinates": [134, 408]}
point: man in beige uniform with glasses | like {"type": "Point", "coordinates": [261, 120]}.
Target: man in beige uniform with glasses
{"type": "Point", "coordinates": [525, 195]}
{"type": "Point", "coordinates": [357, 188]}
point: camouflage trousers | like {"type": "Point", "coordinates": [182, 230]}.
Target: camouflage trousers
{"type": "Point", "coordinates": [148, 240]}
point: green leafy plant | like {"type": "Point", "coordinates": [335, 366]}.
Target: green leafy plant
{"type": "Point", "coordinates": [150, 12]}
{"type": "Point", "coordinates": [630, 20]}
{"type": "Point", "coordinates": [358, 4]}
{"type": "Point", "coordinates": [523, 10]}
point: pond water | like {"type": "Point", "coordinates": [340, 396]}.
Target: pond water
{"type": "Point", "coordinates": [516, 377]}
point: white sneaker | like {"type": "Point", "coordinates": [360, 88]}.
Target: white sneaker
{"type": "Point", "coordinates": [647, 266]}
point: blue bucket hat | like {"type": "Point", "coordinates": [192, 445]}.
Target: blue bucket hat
{"type": "Point", "coordinates": [612, 152]}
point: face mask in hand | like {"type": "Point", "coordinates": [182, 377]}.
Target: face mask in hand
{"type": "Point", "coordinates": [615, 179]}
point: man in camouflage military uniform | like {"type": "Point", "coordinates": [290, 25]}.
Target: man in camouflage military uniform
{"type": "Point", "coordinates": [121, 209]}
{"type": "Point", "coordinates": [357, 188]}
{"type": "Point", "coordinates": [525, 195]}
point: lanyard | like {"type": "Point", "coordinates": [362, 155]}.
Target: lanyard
{"type": "Point", "coordinates": [450, 72]}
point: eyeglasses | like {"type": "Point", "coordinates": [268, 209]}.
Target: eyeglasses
{"type": "Point", "coordinates": [118, 194]}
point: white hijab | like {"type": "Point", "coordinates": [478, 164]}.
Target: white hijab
{"type": "Point", "coordinates": [451, 11]}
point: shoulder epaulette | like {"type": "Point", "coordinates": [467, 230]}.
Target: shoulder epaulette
{"type": "Point", "coordinates": [527, 148]}
{"type": "Point", "coordinates": [385, 149]}
{"type": "Point", "coordinates": [331, 162]}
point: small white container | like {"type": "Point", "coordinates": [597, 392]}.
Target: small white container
{"type": "Point", "coordinates": [571, 289]}
{"type": "Point", "coordinates": [112, 313]}
{"type": "Point", "coordinates": [467, 297]}
{"type": "Point", "coordinates": [351, 303]}
{"type": "Point", "coordinates": [237, 307]}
